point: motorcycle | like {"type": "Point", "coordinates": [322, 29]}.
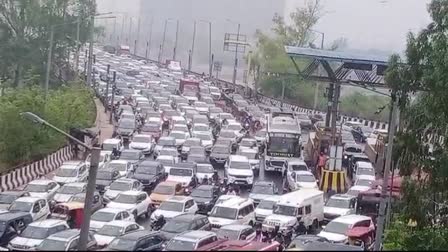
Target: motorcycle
{"type": "Point", "coordinates": [155, 226]}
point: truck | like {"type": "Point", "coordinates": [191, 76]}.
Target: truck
{"type": "Point", "coordinates": [283, 140]}
{"type": "Point", "coordinates": [189, 88]}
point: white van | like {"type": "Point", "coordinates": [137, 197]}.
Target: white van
{"type": "Point", "coordinates": [305, 205]}
{"type": "Point", "coordinates": [265, 208]}
{"type": "Point", "coordinates": [232, 210]}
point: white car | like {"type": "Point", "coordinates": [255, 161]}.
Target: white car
{"type": "Point", "coordinates": [164, 141]}
{"type": "Point", "coordinates": [355, 190]}
{"type": "Point", "coordinates": [111, 143]}
{"type": "Point", "coordinates": [175, 206]}
{"type": "Point", "coordinates": [113, 229]}
{"type": "Point", "coordinates": [200, 128]}
{"type": "Point", "coordinates": [145, 143]}
{"type": "Point", "coordinates": [37, 207]}
{"type": "Point", "coordinates": [238, 170]}
{"type": "Point", "coordinates": [67, 191]}
{"type": "Point", "coordinates": [230, 209]}
{"type": "Point", "coordinates": [215, 92]}
{"type": "Point", "coordinates": [206, 140]}
{"type": "Point", "coordinates": [105, 157]}
{"type": "Point", "coordinates": [204, 171]}
{"type": "Point", "coordinates": [339, 205]}
{"type": "Point", "coordinates": [335, 231]}
{"type": "Point", "coordinates": [35, 233]}
{"type": "Point", "coordinates": [124, 167]}
{"type": "Point", "coordinates": [260, 136]}
{"type": "Point", "coordinates": [201, 107]}
{"type": "Point", "coordinates": [71, 171]}
{"type": "Point", "coordinates": [180, 175]}
{"type": "Point", "coordinates": [364, 180]}
{"type": "Point", "coordinates": [42, 188]}
{"type": "Point", "coordinates": [364, 169]}
{"type": "Point", "coordinates": [136, 202]}
{"type": "Point", "coordinates": [179, 137]}
{"type": "Point", "coordinates": [121, 185]}
{"type": "Point", "coordinates": [235, 127]}
{"type": "Point", "coordinates": [301, 179]}
{"type": "Point", "coordinates": [106, 215]}
{"type": "Point", "coordinates": [168, 161]}
{"type": "Point", "coordinates": [265, 208]}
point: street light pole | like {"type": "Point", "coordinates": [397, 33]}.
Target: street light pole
{"type": "Point", "coordinates": [136, 40]}
{"type": "Point", "coordinates": [95, 158]}
{"type": "Point", "coordinates": [210, 58]}
{"type": "Point", "coordinates": [78, 45]}
{"type": "Point", "coordinates": [150, 37]}
{"type": "Point", "coordinates": [175, 43]}
{"type": "Point", "coordinates": [190, 62]}
{"type": "Point", "coordinates": [90, 62]}
{"type": "Point", "coordinates": [163, 41]}
{"type": "Point", "coordinates": [236, 55]}
{"type": "Point", "coordinates": [50, 52]}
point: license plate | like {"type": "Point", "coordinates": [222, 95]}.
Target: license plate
{"type": "Point", "coordinates": [278, 169]}
{"type": "Point", "coordinates": [239, 182]}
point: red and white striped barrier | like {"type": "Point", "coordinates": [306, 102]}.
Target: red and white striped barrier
{"type": "Point", "coordinates": [23, 175]}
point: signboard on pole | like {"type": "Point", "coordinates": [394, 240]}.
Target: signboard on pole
{"type": "Point", "coordinates": [335, 161]}
{"type": "Point", "coordinates": [234, 42]}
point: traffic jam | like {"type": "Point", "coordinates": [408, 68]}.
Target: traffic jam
{"type": "Point", "coordinates": [194, 166]}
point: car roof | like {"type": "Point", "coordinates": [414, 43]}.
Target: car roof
{"type": "Point", "coordinates": [363, 164]}
{"type": "Point", "coordinates": [235, 227]}
{"type": "Point", "coordinates": [14, 193]}
{"type": "Point", "coordinates": [7, 216]}
{"type": "Point", "coordinates": [304, 173]}
{"type": "Point", "coordinates": [110, 210]}
{"type": "Point", "coordinates": [165, 157]}
{"type": "Point", "coordinates": [149, 163]}
{"type": "Point", "coordinates": [120, 223]}
{"type": "Point", "coordinates": [205, 187]}
{"type": "Point", "coordinates": [342, 196]}
{"type": "Point", "coordinates": [28, 199]}
{"type": "Point", "coordinates": [48, 223]}
{"type": "Point", "coordinates": [235, 202]}
{"type": "Point", "coordinates": [142, 135]}
{"type": "Point", "coordinates": [179, 198]}
{"type": "Point", "coordinates": [76, 184]}
{"type": "Point", "coordinates": [131, 150]}
{"type": "Point", "coordinates": [41, 182]}
{"type": "Point", "coordinates": [194, 235]}
{"type": "Point", "coordinates": [188, 217]}
{"type": "Point", "coordinates": [238, 158]}
{"type": "Point", "coordinates": [168, 183]}
{"type": "Point", "coordinates": [131, 192]}
{"type": "Point", "coordinates": [128, 180]}
{"type": "Point", "coordinates": [137, 235]}
{"type": "Point", "coordinates": [351, 218]}
{"type": "Point", "coordinates": [119, 161]}
{"type": "Point", "coordinates": [65, 235]}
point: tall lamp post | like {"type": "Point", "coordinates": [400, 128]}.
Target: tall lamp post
{"type": "Point", "coordinates": [162, 45]}
{"type": "Point", "coordinates": [316, 90]}
{"type": "Point", "coordinates": [95, 151]}
{"type": "Point", "coordinates": [210, 59]}
{"type": "Point", "coordinates": [235, 66]}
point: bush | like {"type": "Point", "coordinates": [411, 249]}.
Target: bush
{"type": "Point", "coordinates": [21, 140]}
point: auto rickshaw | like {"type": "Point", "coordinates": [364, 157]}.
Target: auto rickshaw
{"type": "Point", "coordinates": [72, 212]}
{"type": "Point", "coordinates": [362, 237]}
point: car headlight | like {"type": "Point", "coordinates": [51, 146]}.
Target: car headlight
{"type": "Point", "coordinates": [250, 180]}
{"type": "Point", "coordinates": [231, 179]}
{"type": "Point", "coordinates": [345, 156]}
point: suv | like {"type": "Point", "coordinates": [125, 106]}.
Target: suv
{"type": "Point", "coordinates": [142, 240]}
{"type": "Point", "coordinates": [190, 241]}
{"type": "Point", "coordinates": [183, 223]}
{"type": "Point", "coordinates": [339, 205]}
{"type": "Point", "coordinates": [175, 206]}
{"type": "Point", "coordinates": [38, 208]}
{"type": "Point", "coordinates": [232, 210]}
{"type": "Point", "coordinates": [42, 188]}
{"type": "Point", "coordinates": [220, 154]}
{"type": "Point", "coordinates": [136, 202]}
{"type": "Point", "coordinates": [35, 233]}
{"type": "Point", "coordinates": [238, 171]}
{"type": "Point", "coordinates": [67, 191]}
{"type": "Point", "coordinates": [112, 143]}
{"type": "Point", "coordinates": [71, 171]}
{"type": "Point", "coordinates": [132, 156]}
{"type": "Point", "coordinates": [105, 177]}
{"type": "Point", "coordinates": [149, 173]}
{"type": "Point", "coordinates": [236, 232]}
{"type": "Point", "coordinates": [262, 190]}
{"type": "Point", "coordinates": [66, 240]}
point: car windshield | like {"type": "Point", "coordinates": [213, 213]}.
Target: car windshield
{"type": "Point", "coordinates": [247, 143]}
{"type": "Point", "coordinates": [33, 232]}
{"type": "Point", "coordinates": [104, 175]}
{"type": "Point", "coordinates": [197, 150]}
{"type": "Point", "coordinates": [239, 165]}
{"type": "Point", "coordinates": [204, 137]}
{"type": "Point", "coordinates": [221, 150]}
{"type": "Point", "coordinates": [108, 146]}
{"type": "Point", "coordinates": [204, 169]}
{"type": "Point", "coordinates": [166, 141]}
{"type": "Point", "coordinates": [266, 204]}
{"type": "Point", "coordinates": [262, 189]}
{"type": "Point", "coordinates": [164, 189]}
{"type": "Point", "coordinates": [363, 182]}
{"type": "Point", "coordinates": [176, 226]}
{"type": "Point", "coordinates": [68, 189]}
{"type": "Point", "coordinates": [178, 135]}
{"type": "Point", "coordinates": [52, 245]}
{"type": "Point", "coordinates": [249, 155]}
{"type": "Point", "coordinates": [150, 128]}
{"type": "Point", "coordinates": [78, 198]}
{"type": "Point", "coordinates": [298, 167]}
{"type": "Point", "coordinates": [36, 188]}
{"type": "Point", "coordinates": [190, 143]}
{"type": "Point", "coordinates": [172, 206]}
{"type": "Point", "coordinates": [122, 244]}
{"type": "Point", "coordinates": [129, 155]}
{"type": "Point", "coordinates": [166, 161]}
{"type": "Point", "coordinates": [337, 227]}
{"type": "Point", "coordinates": [103, 216]}
{"type": "Point", "coordinates": [224, 212]}
{"type": "Point", "coordinates": [117, 166]}
{"type": "Point", "coordinates": [120, 186]}
{"type": "Point", "coordinates": [126, 199]}
{"type": "Point", "coordinates": [140, 139]}
{"type": "Point", "coordinates": [227, 134]}
{"type": "Point", "coordinates": [233, 127]}
{"type": "Point", "coordinates": [338, 203]}
{"type": "Point", "coordinates": [150, 170]}
{"type": "Point", "coordinates": [365, 171]}
{"type": "Point", "coordinates": [21, 206]}
{"type": "Point", "coordinates": [285, 210]}
{"type": "Point", "coordinates": [127, 124]}
{"type": "Point", "coordinates": [66, 172]}
{"type": "Point", "coordinates": [181, 172]}
{"type": "Point", "coordinates": [202, 193]}
{"type": "Point", "coordinates": [305, 178]}
{"type": "Point", "coordinates": [111, 230]}
{"type": "Point", "coordinates": [200, 128]}
{"type": "Point", "coordinates": [7, 199]}
{"type": "Point", "coordinates": [180, 127]}
{"type": "Point", "coordinates": [228, 234]}
{"type": "Point", "coordinates": [180, 245]}
{"type": "Point", "coordinates": [260, 133]}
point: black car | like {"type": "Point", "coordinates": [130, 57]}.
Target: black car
{"type": "Point", "coordinates": [184, 222]}
{"type": "Point", "coordinates": [105, 177]}
{"type": "Point", "coordinates": [205, 197]}
{"type": "Point", "coordinates": [11, 224]}
{"type": "Point", "coordinates": [143, 240]}
{"type": "Point", "coordinates": [149, 173]}
{"type": "Point", "coordinates": [125, 128]}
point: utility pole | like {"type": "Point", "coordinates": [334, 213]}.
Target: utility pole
{"type": "Point", "coordinates": [130, 30]}
{"type": "Point", "coordinates": [190, 61]}
{"type": "Point", "coordinates": [138, 37]}
{"type": "Point", "coordinates": [47, 73]}
{"type": "Point", "coordinates": [78, 45]}
{"type": "Point", "coordinates": [316, 88]}
{"type": "Point", "coordinates": [92, 26]}
{"type": "Point", "coordinates": [123, 21]}
{"type": "Point", "coordinates": [175, 42]}
{"type": "Point", "coordinates": [210, 56]}
{"type": "Point", "coordinates": [163, 42]}
{"type": "Point", "coordinates": [283, 92]}
{"type": "Point", "coordinates": [107, 89]}
{"type": "Point", "coordinates": [390, 142]}
{"type": "Point", "coordinates": [329, 104]}
{"type": "Point", "coordinates": [112, 104]}
{"type": "Point", "coordinates": [114, 36]}
{"type": "Point", "coordinates": [150, 37]}
{"type": "Point", "coordinates": [334, 113]}
{"type": "Point", "coordinates": [236, 56]}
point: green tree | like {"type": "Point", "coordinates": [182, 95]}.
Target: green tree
{"type": "Point", "coordinates": [421, 147]}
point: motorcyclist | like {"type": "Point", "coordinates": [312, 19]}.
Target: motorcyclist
{"type": "Point", "coordinates": [224, 122]}
{"type": "Point", "coordinates": [160, 222]}
{"type": "Point", "coordinates": [194, 181]}
{"type": "Point", "coordinates": [279, 238]}
{"type": "Point", "coordinates": [258, 234]}
{"type": "Point", "coordinates": [231, 192]}
{"type": "Point", "coordinates": [205, 180]}
{"type": "Point", "coordinates": [115, 153]}
{"type": "Point", "coordinates": [301, 229]}
{"type": "Point", "coordinates": [215, 177]}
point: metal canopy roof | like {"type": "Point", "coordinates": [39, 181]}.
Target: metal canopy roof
{"type": "Point", "coordinates": [340, 67]}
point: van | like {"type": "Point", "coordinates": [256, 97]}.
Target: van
{"type": "Point", "coordinates": [305, 205]}
{"type": "Point", "coordinates": [232, 210]}
{"type": "Point", "coordinates": [364, 169]}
